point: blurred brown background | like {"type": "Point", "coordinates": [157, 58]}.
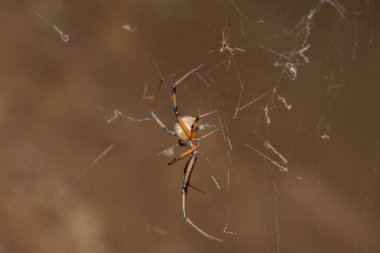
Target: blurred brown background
{"type": "Point", "coordinates": [71, 182]}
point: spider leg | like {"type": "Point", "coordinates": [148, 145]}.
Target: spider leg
{"type": "Point", "coordinates": [174, 97]}
{"type": "Point", "coordinates": [229, 62]}
{"type": "Point", "coordinates": [194, 131]}
{"type": "Point", "coordinates": [186, 183]}
{"type": "Point", "coordinates": [183, 155]}
{"type": "Point", "coordinates": [154, 116]}
{"type": "Point", "coordinates": [193, 138]}
{"type": "Point", "coordinates": [196, 188]}
{"type": "Point", "coordinates": [179, 119]}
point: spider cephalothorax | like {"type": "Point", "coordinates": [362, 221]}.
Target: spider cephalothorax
{"type": "Point", "coordinates": [186, 130]}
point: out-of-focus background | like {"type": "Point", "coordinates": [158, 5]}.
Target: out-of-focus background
{"type": "Point", "coordinates": [290, 135]}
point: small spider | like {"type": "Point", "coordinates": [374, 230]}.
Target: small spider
{"type": "Point", "coordinates": [227, 47]}
{"type": "Point", "coordinates": [186, 130]}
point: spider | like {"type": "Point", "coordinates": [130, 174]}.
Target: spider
{"type": "Point", "coordinates": [186, 130]}
{"type": "Point", "coordinates": [227, 47]}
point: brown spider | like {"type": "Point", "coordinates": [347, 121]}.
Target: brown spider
{"type": "Point", "coordinates": [226, 46]}
{"type": "Point", "coordinates": [186, 129]}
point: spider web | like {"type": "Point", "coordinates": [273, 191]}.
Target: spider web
{"type": "Point", "coordinates": [306, 83]}
{"type": "Point", "coordinates": [289, 147]}
{"type": "Point", "coordinates": [312, 60]}
{"type": "Point", "coordinates": [315, 59]}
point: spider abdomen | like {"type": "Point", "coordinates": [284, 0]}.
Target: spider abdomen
{"type": "Point", "coordinates": [188, 121]}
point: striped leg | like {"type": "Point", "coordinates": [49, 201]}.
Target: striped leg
{"type": "Point", "coordinates": [186, 183]}
{"type": "Point", "coordinates": [154, 116]}
{"type": "Point", "coordinates": [194, 130]}
{"type": "Point", "coordinates": [179, 119]}
{"type": "Point", "coordinates": [183, 155]}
